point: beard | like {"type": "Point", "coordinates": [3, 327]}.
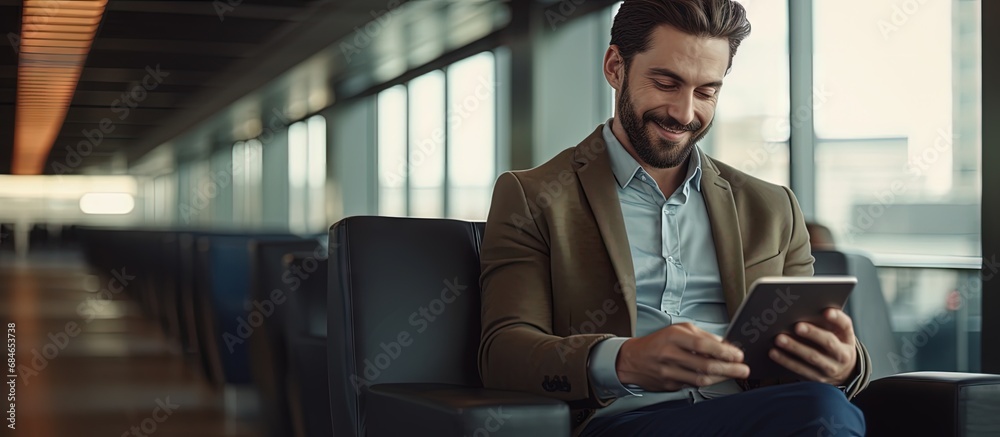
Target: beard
{"type": "Point", "coordinates": [653, 149]}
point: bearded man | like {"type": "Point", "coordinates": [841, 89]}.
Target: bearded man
{"type": "Point", "coordinates": [610, 272]}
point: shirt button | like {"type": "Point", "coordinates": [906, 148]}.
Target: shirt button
{"type": "Point", "coordinates": [670, 259]}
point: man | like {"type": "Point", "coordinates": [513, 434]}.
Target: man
{"type": "Point", "coordinates": [610, 272]}
{"type": "Point", "coordinates": [820, 237]}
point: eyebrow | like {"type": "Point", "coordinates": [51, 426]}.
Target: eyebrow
{"type": "Point", "coordinates": [671, 74]}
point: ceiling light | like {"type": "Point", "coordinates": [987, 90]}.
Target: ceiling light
{"type": "Point", "coordinates": [56, 37]}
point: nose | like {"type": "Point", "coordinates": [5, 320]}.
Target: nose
{"type": "Point", "coordinates": [681, 107]}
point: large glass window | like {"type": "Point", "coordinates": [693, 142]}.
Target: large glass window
{"type": "Point", "coordinates": [307, 175]}
{"type": "Point", "coordinates": [316, 174]}
{"type": "Point", "coordinates": [298, 166]}
{"type": "Point", "coordinates": [471, 136]}
{"type": "Point", "coordinates": [392, 155]}
{"type": "Point", "coordinates": [165, 198]}
{"type": "Point", "coordinates": [898, 140]}
{"type": "Point", "coordinates": [426, 145]}
{"type": "Point", "coordinates": [437, 142]}
{"type": "Point", "coordinates": [247, 173]}
{"type": "Point", "coordinates": [936, 317]}
{"type": "Point", "coordinates": [898, 162]}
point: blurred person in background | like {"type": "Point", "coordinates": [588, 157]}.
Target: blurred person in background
{"type": "Point", "coordinates": [820, 237]}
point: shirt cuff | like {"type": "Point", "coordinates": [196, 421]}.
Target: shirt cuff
{"type": "Point", "coordinates": [861, 371]}
{"type": "Point", "coordinates": [602, 372]}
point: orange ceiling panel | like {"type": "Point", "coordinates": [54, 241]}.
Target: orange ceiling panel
{"type": "Point", "coordinates": [55, 40]}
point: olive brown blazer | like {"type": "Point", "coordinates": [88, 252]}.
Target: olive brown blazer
{"type": "Point", "coordinates": [557, 274]}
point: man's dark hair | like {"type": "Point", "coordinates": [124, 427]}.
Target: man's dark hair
{"type": "Point", "coordinates": [637, 19]}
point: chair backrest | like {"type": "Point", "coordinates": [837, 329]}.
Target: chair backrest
{"type": "Point", "coordinates": [223, 304]}
{"type": "Point", "coordinates": [307, 302]}
{"type": "Point", "coordinates": [306, 328]}
{"type": "Point", "coordinates": [403, 307]}
{"type": "Point", "coordinates": [866, 306]}
{"type": "Point", "coordinates": [268, 351]}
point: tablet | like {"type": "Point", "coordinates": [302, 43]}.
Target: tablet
{"type": "Point", "coordinates": [775, 304]}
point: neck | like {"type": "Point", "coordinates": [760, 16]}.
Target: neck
{"type": "Point", "coordinates": [667, 179]}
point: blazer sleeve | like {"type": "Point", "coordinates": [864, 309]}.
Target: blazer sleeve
{"type": "Point", "coordinates": [799, 262]}
{"type": "Point", "coordinates": [518, 349]}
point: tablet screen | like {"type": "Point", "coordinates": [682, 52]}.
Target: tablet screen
{"type": "Point", "coordinates": [774, 305]}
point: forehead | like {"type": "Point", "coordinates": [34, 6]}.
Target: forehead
{"type": "Point", "coordinates": [696, 58]}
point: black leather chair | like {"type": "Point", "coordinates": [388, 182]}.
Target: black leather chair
{"type": "Point", "coordinates": [305, 330]}
{"type": "Point", "coordinates": [932, 404]}
{"type": "Point", "coordinates": [222, 305]}
{"type": "Point", "coordinates": [269, 359]}
{"type": "Point", "coordinates": [404, 330]}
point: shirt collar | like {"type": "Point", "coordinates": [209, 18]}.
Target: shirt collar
{"type": "Point", "coordinates": [625, 167]}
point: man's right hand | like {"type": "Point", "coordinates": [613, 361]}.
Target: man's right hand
{"type": "Point", "coordinates": [678, 356]}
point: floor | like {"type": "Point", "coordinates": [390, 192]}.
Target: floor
{"type": "Point", "coordinates": [112, 375]}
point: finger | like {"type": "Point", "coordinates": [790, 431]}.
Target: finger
{"type": "Point", "coordinates": [841, 325]}
{"type": "Point", "coordinates": [711, 366]}
{"type": "Point", "coordinates": [691, 378]}
{"type": "Point", "coordinates": [830, 344]}
{"type": "Point", "coordinates": [792, 347]}
{"type": "Point", "coordinates": [803, 370]}
{"type": "Point", "coordinates": [704, 343]}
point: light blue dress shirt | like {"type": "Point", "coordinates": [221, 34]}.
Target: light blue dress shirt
{"type": "Point", "coordinates": [676, 273]}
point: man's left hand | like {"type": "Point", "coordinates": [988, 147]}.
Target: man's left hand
{"type": "Point", "coordinates": [832, 355]}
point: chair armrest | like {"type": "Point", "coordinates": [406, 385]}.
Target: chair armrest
{"type": "Point", "coordinates": [451, 410]}
{"type": "Point", "coordinates": [932, 403]}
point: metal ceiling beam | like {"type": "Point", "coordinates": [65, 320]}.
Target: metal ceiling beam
{"type": "Point", "coordinates": [171, 46]}
{"type": "Point", "coordinates": [244, 10]}
{"type": "Point", "coordinates": [76, 129]}
{"type": "Point", "coordinates": [308, 38]}
{"type": "Point", "coordinates": [189, 28]}
{"type": "Point", "coordinates": [126, 75]}
{"type": "Point", "coordinates": [167, 61]}
{"type": "Point", "coordinates": [134, 116]}
{"type": "Point", "coordinates": [152, 99]}
{"type": "Point", "coordinates": [107, 145]}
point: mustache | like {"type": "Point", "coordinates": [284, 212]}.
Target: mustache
{"type": "Point", "coordinates": [672, 123]}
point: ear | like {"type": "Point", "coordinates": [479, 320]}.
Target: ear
{"type": "Point", "coordinates": [614, 67]}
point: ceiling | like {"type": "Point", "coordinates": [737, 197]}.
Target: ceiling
{"type": "Point", "coordinates": [154, 64]}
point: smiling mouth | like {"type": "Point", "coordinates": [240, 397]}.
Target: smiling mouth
{"type": "Point", "coordinates": [671, 130]}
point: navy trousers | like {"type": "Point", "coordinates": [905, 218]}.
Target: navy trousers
{"type": "Point", "coordinates": [796, 409]}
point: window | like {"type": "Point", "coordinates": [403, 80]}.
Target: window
{"type": "Point", "coordinates": [392, 154]}
{"type": "Point", "coordinates": [316, 174]}
{"type": "Point", "coordinates": [936, 316]}
{"type": "Point", "coordinates": [903, 120]}
{"type": "Point", "coordinates": [307, 175]}
{"type": "Point", "coordinates": [426, 145]}
{"type": "Point", "coordinates": [437, 142]}
{"type": "Point", "coordinates": [165, 198]}
{"type": "Point", "coordinates": [898, 162]}
{"type": "Point", "coordinates": [298, 165]}
{"type": "Point", "coordinates": [471, 136]}
{"type": "Point", "coordinates": [247, 173]}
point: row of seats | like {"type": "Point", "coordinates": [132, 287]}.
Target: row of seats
{"type": "Point", "coordinates": [386, 344]}
{"type": "Point", "coordinates": [247, 310]}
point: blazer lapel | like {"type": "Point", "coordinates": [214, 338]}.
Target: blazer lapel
{"type": "Point", "coordinates": [599, 186]}
{"type": "Point", "coordinates": [726, 232]}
